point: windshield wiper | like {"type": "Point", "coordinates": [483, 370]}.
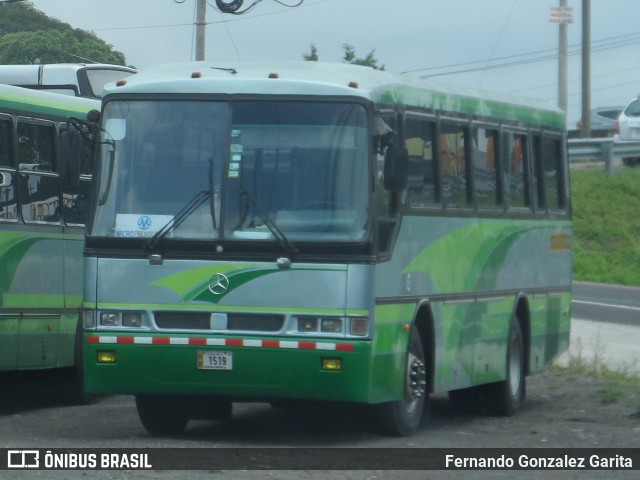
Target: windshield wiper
{"type": "Point", "coordinates": [273, 228]}
{"type": "Point", "coordinates": [180, 217]}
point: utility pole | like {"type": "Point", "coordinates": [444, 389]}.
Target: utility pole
{"type": "Point", "coordinates": [562, 15]}
{"type": "Point", "coordinates": [201, 23]}
{"type": "Point", "coordinates": [562, 63]}
{"type": "Point", "coordinates": [586, 69]}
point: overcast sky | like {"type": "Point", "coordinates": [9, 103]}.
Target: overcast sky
{"type": "Point", "coordinates": [411, 36]}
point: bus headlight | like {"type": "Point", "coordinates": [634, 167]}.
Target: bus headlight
{"type": "Point", "coordinates": [109, 319]}
{"type": "Point", "coordinates": [331, 325]}
{"type": "Point", "coordinates": [307, 324]}
{"type": "Point", "coordinates": [132, 320]}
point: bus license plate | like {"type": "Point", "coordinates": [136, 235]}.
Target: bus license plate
{"type": "Point", "coordinates": [215, 360]}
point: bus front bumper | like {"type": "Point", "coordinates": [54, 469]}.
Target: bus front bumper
{"type": "Point", "coordinates": [258, 368]}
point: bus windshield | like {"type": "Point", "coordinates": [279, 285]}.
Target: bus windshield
{"type": "Point", "coordinates": [99, 77]}
{"type": "Point", "coordinates": [245, 170]}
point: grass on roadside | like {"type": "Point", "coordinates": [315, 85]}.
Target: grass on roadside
{"type": "Point", "coordinates": [618, 379]}
{"type": "Point", "coordinates": [606, 222]}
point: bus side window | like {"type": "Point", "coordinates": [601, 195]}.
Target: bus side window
{"type": "Point", "coordinates": [39, 184]}
{"type": "Point", "coordinates": [6, 143]}
{"type": "Point", "coordinates": [513, 170]}
{"type": "Point", "coordinates": [8, 207]}
{"type": "Point", "coordinates": [537, 179]}
{"type": "Point", "coordinates": [453, 166]}
{"type": "Point", "coordinates": [422, 184]}
{"type": "Point", "coordinates": [485, 142]}
{"type": "Point", "coordinates": [553, 181]}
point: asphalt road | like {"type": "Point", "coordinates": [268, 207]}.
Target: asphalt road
{"type": "Point", "coordinates": [605, 326]}
{"type": "Point", "coordinates": [606, 303]}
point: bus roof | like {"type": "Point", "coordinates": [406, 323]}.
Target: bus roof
{"type": "Point", "coordinates": [23, 100]}
{"type": "Point", "coordinates": [51, 73]}
{"type": "Point", "coordinates": [330, 79]}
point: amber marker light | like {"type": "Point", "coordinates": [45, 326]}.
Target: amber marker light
{"type": "Point", "coordinates": [332, 364]}
{"type": "Point", "coordinates": [108, 356]}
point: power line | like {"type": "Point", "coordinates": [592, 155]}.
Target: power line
{"type": "Point", "coordinates": [600, 45]}
{"type": "Point", "coordinates": [602, 75]}
{"type": "Point", "coordinates": [504, 27]}
{"type": "Point", "coordinates": [233, 19]}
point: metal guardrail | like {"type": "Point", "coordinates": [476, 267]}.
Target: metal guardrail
{"type": "Point", "coordinates": [605, 150]}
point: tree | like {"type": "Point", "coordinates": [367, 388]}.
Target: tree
{"type": "Point", "coordinates": [54, 46]}
{"type": "Point", "coordinates": [27, 36]}
{"type": "Point", "coordinates": [369, 61]}
{"type": "Point", "coordinates": [350, 56]}
{"type": "Point", "coordinates": [311, 56]}
{"type": "Point", "coordinates": [23, 17]}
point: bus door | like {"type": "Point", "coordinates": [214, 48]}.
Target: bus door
{"type": "Point", "coordinates": [36, 284]}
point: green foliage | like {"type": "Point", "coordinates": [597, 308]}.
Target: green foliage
{"type": "Point", "coordinates": [23, 17]}
{"type": "Point", "coordinates": [27, 36]}
{"type": "Point", "coordinates": [54, 46]}
{"type": "Point", "coordinates": [312, 56]}
{"type": "Point", "coordinates": [606, 224]}
{"type": "Point", "coordinates": [350, 56]}
{"type": "Point", "coordinates": [369, 61]}
{"type": "Point", "coordinates": [619, 379]}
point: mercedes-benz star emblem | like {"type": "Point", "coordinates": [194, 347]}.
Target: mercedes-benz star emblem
{"type": "Point", "coordinates": [218, 284]}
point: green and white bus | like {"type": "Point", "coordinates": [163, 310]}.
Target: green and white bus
{"type": "Point", "coordinates": [309, 231]}
{"type": "Point", "coordinates": [42, 214]}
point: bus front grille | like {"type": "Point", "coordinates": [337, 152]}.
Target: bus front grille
{"type": "Point", "coordinates": [183, 320]}
{"type": "Point", "coordinates": [235, 322]}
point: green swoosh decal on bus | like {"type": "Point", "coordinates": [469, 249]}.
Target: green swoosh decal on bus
{"type": "Point", "coordinates": [193, 285]}
{"type": "Point", "coordinates": [183, 283]}
{"type": "Point", "coordinates": [11, 258]}
{"type": "Point", "coordinates": [485, 246]}
{"type": "Point", "coordinates": [236, 279]}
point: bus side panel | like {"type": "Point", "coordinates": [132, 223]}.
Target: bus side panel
{"type": "Point", "coordinates": [550, 329]}
{"type": "Point", "coordinates": [472, 272]}
{"type": "Point", "coordinates": [73, 265]}
{"type": "Point", "coordinates": [9, 328]}
{"type": "Point", "coordinates": [389, 351]}
{"type": "Point", "coordinates": [32, 285]}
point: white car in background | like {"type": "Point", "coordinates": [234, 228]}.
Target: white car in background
{"type": "Point", "coordinates": [628, 129]}
{"type": "Point", "coordinates": [628, 124]}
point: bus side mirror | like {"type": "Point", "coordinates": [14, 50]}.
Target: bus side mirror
{"type": "Point", "coordinates": [396, 168]}
{"type": "Point", "coordinates": [70, 159]}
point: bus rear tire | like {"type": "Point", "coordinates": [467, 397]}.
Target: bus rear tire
{"type": "Point", "coordinates": [402, 418]}
{"type": "Point", "coordinates": [162, 414]}
{"type": "Point", "coordinates": [505, 397]}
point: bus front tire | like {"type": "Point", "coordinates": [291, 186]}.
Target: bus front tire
{"type": "Point", "coordinates": [504, 398]}
{"type": "Point", "coordinates": [162, 414]}
{"type": "Point", "coordinates": [402, 418]}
